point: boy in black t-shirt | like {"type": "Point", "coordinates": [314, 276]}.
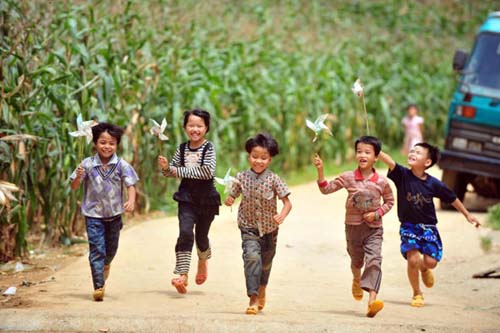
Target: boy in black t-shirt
{"type": "Point", "coordinates": [420, 241]}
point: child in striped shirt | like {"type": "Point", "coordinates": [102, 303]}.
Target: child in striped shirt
{"type": "Point", "coordinates": [363, 218]}
{"type": "Point", "coordinates": [198, 201]}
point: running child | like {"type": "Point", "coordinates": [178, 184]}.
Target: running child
{"type": "Point", "coordinates": [363, 218]}
{"type": "Point", "coordinates": [103, 176]}
{"type": "Point", "coordinates": [420, 241]}
{"type": "Point", "coordinates": [258, 217]}
{"type": "Point", "coordinates": [198, 202]}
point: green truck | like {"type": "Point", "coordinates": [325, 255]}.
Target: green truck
{"type": "Point", "coordinates": [471, 154]}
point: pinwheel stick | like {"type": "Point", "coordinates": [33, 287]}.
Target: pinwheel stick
{"type": "Point", "coordinates": [366, 114]}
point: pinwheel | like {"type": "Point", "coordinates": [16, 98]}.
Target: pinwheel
{"type": "Point", "coordinates": [357, 88]}
{"type": "Point", "coordinates": [157, 130]}
{"type": "Point", "coordinates": [227, 181]}
{"type": "Point", "coordinates": [84, 129]}
{"type": "Point", "coordinates": [318, 126]}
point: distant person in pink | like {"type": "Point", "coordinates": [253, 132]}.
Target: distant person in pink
{"type": "Point", "coordinates": [413, 127]}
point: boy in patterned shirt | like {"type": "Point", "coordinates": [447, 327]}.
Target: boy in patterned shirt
{"type": "Point", "coordinates": [363, 218]}
{"type": "Point", "coordinates": [258, 218]}
{"type": "Point", "coordinates": [103, 176]}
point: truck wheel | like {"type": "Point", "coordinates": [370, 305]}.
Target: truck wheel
{"type": "Point", "coordinates": [457, 182]}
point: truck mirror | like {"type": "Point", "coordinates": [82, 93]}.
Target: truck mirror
{"type": "Point", "coordinates": [459, 60]}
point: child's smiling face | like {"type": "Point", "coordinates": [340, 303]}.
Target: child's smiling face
{"type": "Point", "coordinates": [106, 146]}
{"type": "Point", "coordinates": [365, 156]}
{"type": "Point", "coordinates": [259, 159]}
{"type": "Point", "coordinates": [196, 129]}
{"type": "Point", "coordinates": [418, 157]}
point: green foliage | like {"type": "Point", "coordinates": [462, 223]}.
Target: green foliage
{"type": "Point", "coordinates": [258, 65]}
{"type": "Point", "coordinates": [494, 217]}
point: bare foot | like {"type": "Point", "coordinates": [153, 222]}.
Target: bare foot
{"type": "Point", "coordinates": [180, 283]}
{"type": "Point", "coordinates": [261, 298]}
{"type": "Point", "coordinates": [202, 274]}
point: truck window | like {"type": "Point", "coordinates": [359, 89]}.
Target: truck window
{"type": "Point", "coordinates": [482, 74]}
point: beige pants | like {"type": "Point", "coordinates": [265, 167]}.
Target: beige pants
{"type": "Point", "coordinates": [364, 245]}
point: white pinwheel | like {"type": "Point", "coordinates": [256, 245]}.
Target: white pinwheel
{"type": "Point", "coordinates": [357, 88]}
{"type": "Point", "coordinates": [84, 128]}
{"type": "Point", "coordinates": [227, 181]}
{"type": "Point", "coordinates": [157, 129]}
{"type": "Point", "coordinates": [318, 126]}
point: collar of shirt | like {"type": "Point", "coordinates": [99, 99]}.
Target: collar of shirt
{"type": "Point", "coordinates": [96, 161]}
{"type": "Point", "coordinates": [259, 176]}
{"type": "Point", "coordinates": [359, 176]}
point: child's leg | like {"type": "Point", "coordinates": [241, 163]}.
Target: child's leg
{"type": "Point", "coordinates": [97, 253]}
{"type": "Point", "coordinates": [202, 228]}
{"type": "Point", "coordinates": [355, 251]}
{"type": "Point", "coordinates": [252, 263]}
{"type": "Point", "coordinates": [184, 246]}
{"type": "Point", "coordinates": [268, 249]}
{"type": "Point", "coordinates": [372, 273]}
{"type": "Point", "coordinates": [427, 264]}
{"type": "Point", "coordinates": [414, 260]}
{"type": "Point", "coordinates": [112, 235]}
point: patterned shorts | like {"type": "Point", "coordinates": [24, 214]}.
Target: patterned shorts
{"type": "Point", "coordinates": [422, 237]}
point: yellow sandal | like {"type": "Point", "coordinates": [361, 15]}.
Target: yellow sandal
{"type": "Point", "coordinates": [417, 301]}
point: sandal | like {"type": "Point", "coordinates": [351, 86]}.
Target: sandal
{"type": "Point", "coordinates": [252, 310]}
{"type": "Point", "coordinates": [428, 278]}
{"type": "Point", "coordinates": [417, 301]}
{"type": "Point", "coordinates": [374, 307]}
{"type": "Point", "coordinates": [201, 277]}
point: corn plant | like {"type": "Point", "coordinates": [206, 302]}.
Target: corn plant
{"type": "Point", "coordinates": [256, 66]}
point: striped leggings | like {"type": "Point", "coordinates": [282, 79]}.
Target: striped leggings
{"type": "Point", "coordinates": [192, 217]}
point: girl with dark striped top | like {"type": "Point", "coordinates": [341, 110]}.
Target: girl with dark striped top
{"type": "Point", "coordinates": [198, 202]}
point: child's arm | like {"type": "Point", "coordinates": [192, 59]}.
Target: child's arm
{"type": "Point", "coordinates": [318, 163]}
{"type": "Point", "coordinates": [325, 186]}
{"type": "Point", "coordinates": [287, 207]}
{"type": "Point", "coordinates": [386, 159]}
{"type": "Point", "coordinates": [166, 170]}
{"type": "Point", "coordinates": [461, 208]}
{"type": "Point", "coordinates": [75, 183]}
{"type": "Point", "coordinates": [234, 192]}
{"type": "Point", "coordinates": [130, 204]}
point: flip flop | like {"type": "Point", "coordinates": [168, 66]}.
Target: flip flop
{"type": "Point", "coordinates": [180, 284]}
{"type": "Point", "coordinates": [252, 310]}
{"type": "Point", "coordinates": [374, 307]}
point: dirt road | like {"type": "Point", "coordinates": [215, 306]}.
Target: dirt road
{"type": "Point", "coordinates": [309, 289]}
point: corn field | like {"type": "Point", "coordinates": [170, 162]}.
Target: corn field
{"type": "Point", "coordinates": [254, 65]}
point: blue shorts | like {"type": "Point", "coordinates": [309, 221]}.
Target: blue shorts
{"type": "Point", "coordinates": [422, 237]}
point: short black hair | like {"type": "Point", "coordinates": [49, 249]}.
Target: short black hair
{"type": "Point", "coordinates": [432, 152]}
{"type": "Point", "coordinates": [199, 113]}
{"type": "Point", "coordinates": [369, 140]}
{"type": "Point", "coordinates": [113, 130]}
{"type": "Point", "coordinates": [264, 140]}
{"type": "Point", "coordinates": [412, 105]}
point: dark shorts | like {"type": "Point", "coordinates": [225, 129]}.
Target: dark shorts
{"type": "Point", "coordinates": [422, 237]}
